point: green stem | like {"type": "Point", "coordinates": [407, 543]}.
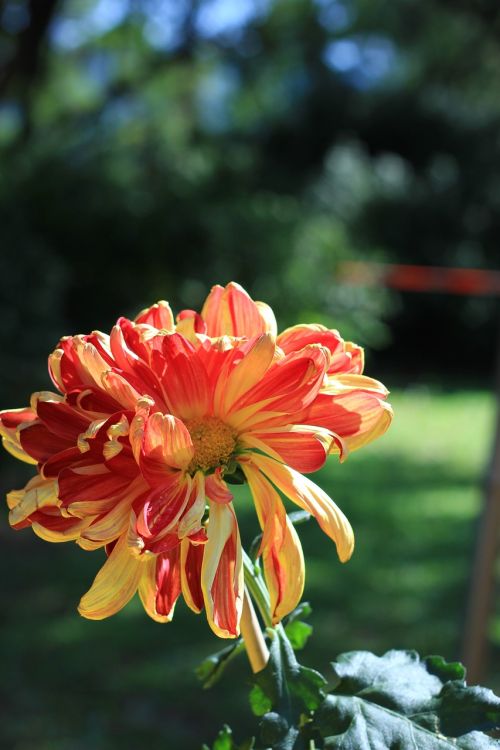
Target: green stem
{"type": "Point", "coordinates": [257, 588]}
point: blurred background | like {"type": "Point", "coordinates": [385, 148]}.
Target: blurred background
{"type": "Point", "coordinates": [152, 148]}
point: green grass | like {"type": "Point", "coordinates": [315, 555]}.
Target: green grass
{"type": "Point", "coordinates": [413, 500]}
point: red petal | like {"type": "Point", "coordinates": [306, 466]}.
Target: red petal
{"type": "Point", "coordinates": [158, 316]}
{"type": "Point", "coordinates": [89, 483]}
{"type": "Point", "coordinates": [40, 443]}
{"type": "Point", "coordinates": [62, 420]}
{"type": "Point", "coordinates": [191, 563]}
{"type": "Point", "coordinates": [168, 580]}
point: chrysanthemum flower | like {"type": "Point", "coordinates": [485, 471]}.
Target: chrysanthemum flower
{"type": "Point", "coordinates": [134, 449]}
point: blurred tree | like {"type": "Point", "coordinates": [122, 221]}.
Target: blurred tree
{"type": "Point", "coordinates": [150, 149]}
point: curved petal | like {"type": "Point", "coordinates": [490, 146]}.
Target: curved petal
{"type": "Point", "coordinates": [37, 494]}
{"type": "Point", "coordinates": [10, 422]}
{"type": "Point", "coordinates": [62, 420]}
{"type": "Point", "coordinates": [281, 549]}
{"type": "Point", "coordinates": [57, 529]}
{"type": "Point", "coordinates": [345, 356]}
{"type": "Point", "coordinates": [147, 589]}
{"type": "Point", "coordinates": [190, 522]}
{"type": "Point", "coordinates": [289, 386]}
{"type": "Point", "coordinates": [110, 525]}
{"type": "Point", "coordinates": [186, 387]}
{"type": "Point", "coordinates": [303, 447]}
{"type": "Point", "coordinates": [160, 513]}
{"type": "Point", "coordinates": [222, 572]}
{"type": "Point", "coordinates": [189, 323]}
{"type": "Point", "coordinates": [230, 311]}
{"type": "Point", "coordinates": [93, 482]}
{"type": "Point", "coordinates": [167, 441]}
{"type": "Point", "coordinates": [358, 417]}
{"type": "Point", "coordinates": [37, 441]}
{"type": "Point", "coordinates": [347, 382]}
{"type": "Point", "coordinates": [168, 582]}
{"type": "Point", "coordinates": [114, 585]}
{"type": "Point", "coordinates": [236, 379]}
{"type": "Point", "coordinates": [191, 565]}
{"type": "Point", "coordinates": [310, 497]}
{"type": "Point", "coordinates": [158, 315]}
{"type": "Point", "coordinates": [216, 488]}
{"type": "Point", "coordinates": [267, 315]}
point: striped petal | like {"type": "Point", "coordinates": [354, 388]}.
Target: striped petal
{"type": "Point", "coordinates": [187, 390]}
{"type": "Point", "coordinates": [345, 356]}
{"type": "Point", "coordinates": [236, 379]}
{"type": "Point", "coordinates": [222, 572]}
{"type": "Point", "coordinates": [168, 582]}
{"type": "Point", "coordinates": [114, 585]}
{"type": "Point", "coordinates": [10, 422]}
{"type": "Point", "coordinates": [303, 447]}
{"type": "Point", "coordinates": [310, 497]}
{"type": "Point", "coordinates": [191, 566]}
{"type": "Point", "coordinates": [358, 417]}
{"type": "Point", "coordinates": [148, 589]}
{"type": "Point", "coordinates": [167, 439]}
{"type": "Point", "coordinates": [281, 550]}
{"type": "Point", "coordinates": [230, 311]}
{"type": "Point", "coordinates": [158, 315]}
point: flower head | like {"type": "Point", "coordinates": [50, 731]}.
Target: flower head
{"type": "Point", "coordinates": [134, 450]}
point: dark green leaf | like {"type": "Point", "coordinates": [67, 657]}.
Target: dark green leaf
{"type": "Point", "coordinates": [477, 741]}
{"type": "Point", "coordinates": [397, 680]}
{"type": "Point", "coordinates": [225, 741]}
{"type": "Point", "coordinates": [298, 633]}
{"type": "Point", "coordinates": [302, 611]}
{"type": "Point", "coordinates": [289, 689]}
{"type": "Point", "coordinates": [276, 732]}
{"type": "Point", "coordinates": [461, 709]}
{"type": "Point", "coordinates": [259, 701]}
{"type": "Point", "coordinates": [350, 723]}
{"type": "Point", "coordinates": [211, 669]}
{"type": "Point", "coordinates": [445, 670]}
{"type": "Point", "coordinates": [398, 701]}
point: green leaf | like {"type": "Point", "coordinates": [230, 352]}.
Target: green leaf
{"type": "Point", "coordinates": [297, 631]}
{"type": "Point", "coordinates": [259, 702]}
{"type": "Point", "coordinates": [397, 680]}
{"type": "Point", "coordinates": [445, 670]}
{"type": "Point", "coordinates": [303, 610]}
{"type": "Point", "coordinates": [290, 687]}
{"type": "Point", "coordinates": [212, 668]}
{"type": "Point", "coordinates": [350, 723]}
{"type": "Point", "coordinates": [477, 741]}
{"type": "Point", "coordinates": [285, 690]}
{"type": "Point", "coordinates": [461, 709]}
{"type": "Point", "coordinates": [298, 634]}
{"type": "Point", "coordinates": [225, 741]}
{"type": "Point", "coordinates": [400, 701]}
{"type": "Point", "coordinates": [277, 733]}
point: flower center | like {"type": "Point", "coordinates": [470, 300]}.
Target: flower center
{"type": "Point", "coordinates": [213, 442]}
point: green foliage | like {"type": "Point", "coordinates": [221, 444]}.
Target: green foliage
{"type": "Point", "coordinates": [225, 741]}
{"type": "Point", "coordinates": [394, 701]}
{"type": "Point", "coordinates": [298, 631]}
{"type": "Point", "coordinates": [256, 152]}
{"type": "Point", "coordinates": [284, 691]}
{"type": "Point", "coordinates": [349, 723]}
{"type": "Point", "coordinates": [211, 669]}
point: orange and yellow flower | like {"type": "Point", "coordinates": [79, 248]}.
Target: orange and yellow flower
{"type": "Point", "coordinates": [134, 449]}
